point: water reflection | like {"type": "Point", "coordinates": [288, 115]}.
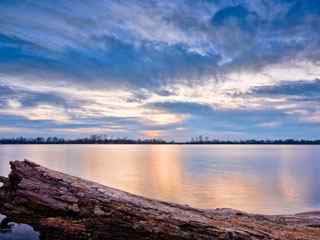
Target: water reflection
{"type": "Point", "coordinates": [14, 231]}
{"type": "Point", "coordinates": [264, 179]}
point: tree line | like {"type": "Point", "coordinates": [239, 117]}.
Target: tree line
{"type": "Point", "coordinates": [102, 139]}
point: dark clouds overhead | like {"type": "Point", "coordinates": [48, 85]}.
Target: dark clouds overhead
{"type": "Point", "coordinates": [298, 89]}
{"type": "Point", "coordinates": [143, 41]}
{"type": "Point", "coordinates": [160, 63]}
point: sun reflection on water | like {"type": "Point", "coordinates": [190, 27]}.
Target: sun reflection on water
{"type": "Point", "coordinates": [264, 179]}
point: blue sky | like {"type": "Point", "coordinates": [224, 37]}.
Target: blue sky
{"type": "Point", "coordinates": [168, 69]}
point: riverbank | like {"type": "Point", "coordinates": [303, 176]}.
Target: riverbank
{"type": "Point", "coordinates": [65, 207]}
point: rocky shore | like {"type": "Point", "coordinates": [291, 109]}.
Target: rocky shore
{"type": "Point", "coordinates": [62, 207]}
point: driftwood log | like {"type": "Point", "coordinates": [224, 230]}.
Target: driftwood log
{"type": "Point", "coordinates": [65, 207]}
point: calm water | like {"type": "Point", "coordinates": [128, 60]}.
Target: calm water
{"type": "Point", "coordinates": [264, 179]}
{"type": "Point", "coordinates": [18, 232]}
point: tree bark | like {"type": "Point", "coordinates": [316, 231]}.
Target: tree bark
{"type": "Point", "coordinates": [65, 207]}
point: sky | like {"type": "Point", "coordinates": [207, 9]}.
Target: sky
{"type": "Point", "coordinates": [160, 68]}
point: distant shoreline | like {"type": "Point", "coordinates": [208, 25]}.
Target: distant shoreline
{"type": "Point", "coordinates": [176, 143]}
{"type": "Point", "coordinates": [200, 140]}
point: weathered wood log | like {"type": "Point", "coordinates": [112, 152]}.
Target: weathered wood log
{"type": "Point", "coordinates": [65, 207]}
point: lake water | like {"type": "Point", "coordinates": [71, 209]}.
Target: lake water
{"type": "Point", "coordinates": [255, 178]}
{"type": "Point", "coordinates": [18, 232]}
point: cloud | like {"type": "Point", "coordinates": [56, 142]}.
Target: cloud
{"type": "Point", "coordinates": [150, 66]}
{"type": "Point", "coordinates": [298, 88]}
{"type": "Point", "coordinates": [152, 41]}
{"type": "Point", "coordinates": [184, 107]}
